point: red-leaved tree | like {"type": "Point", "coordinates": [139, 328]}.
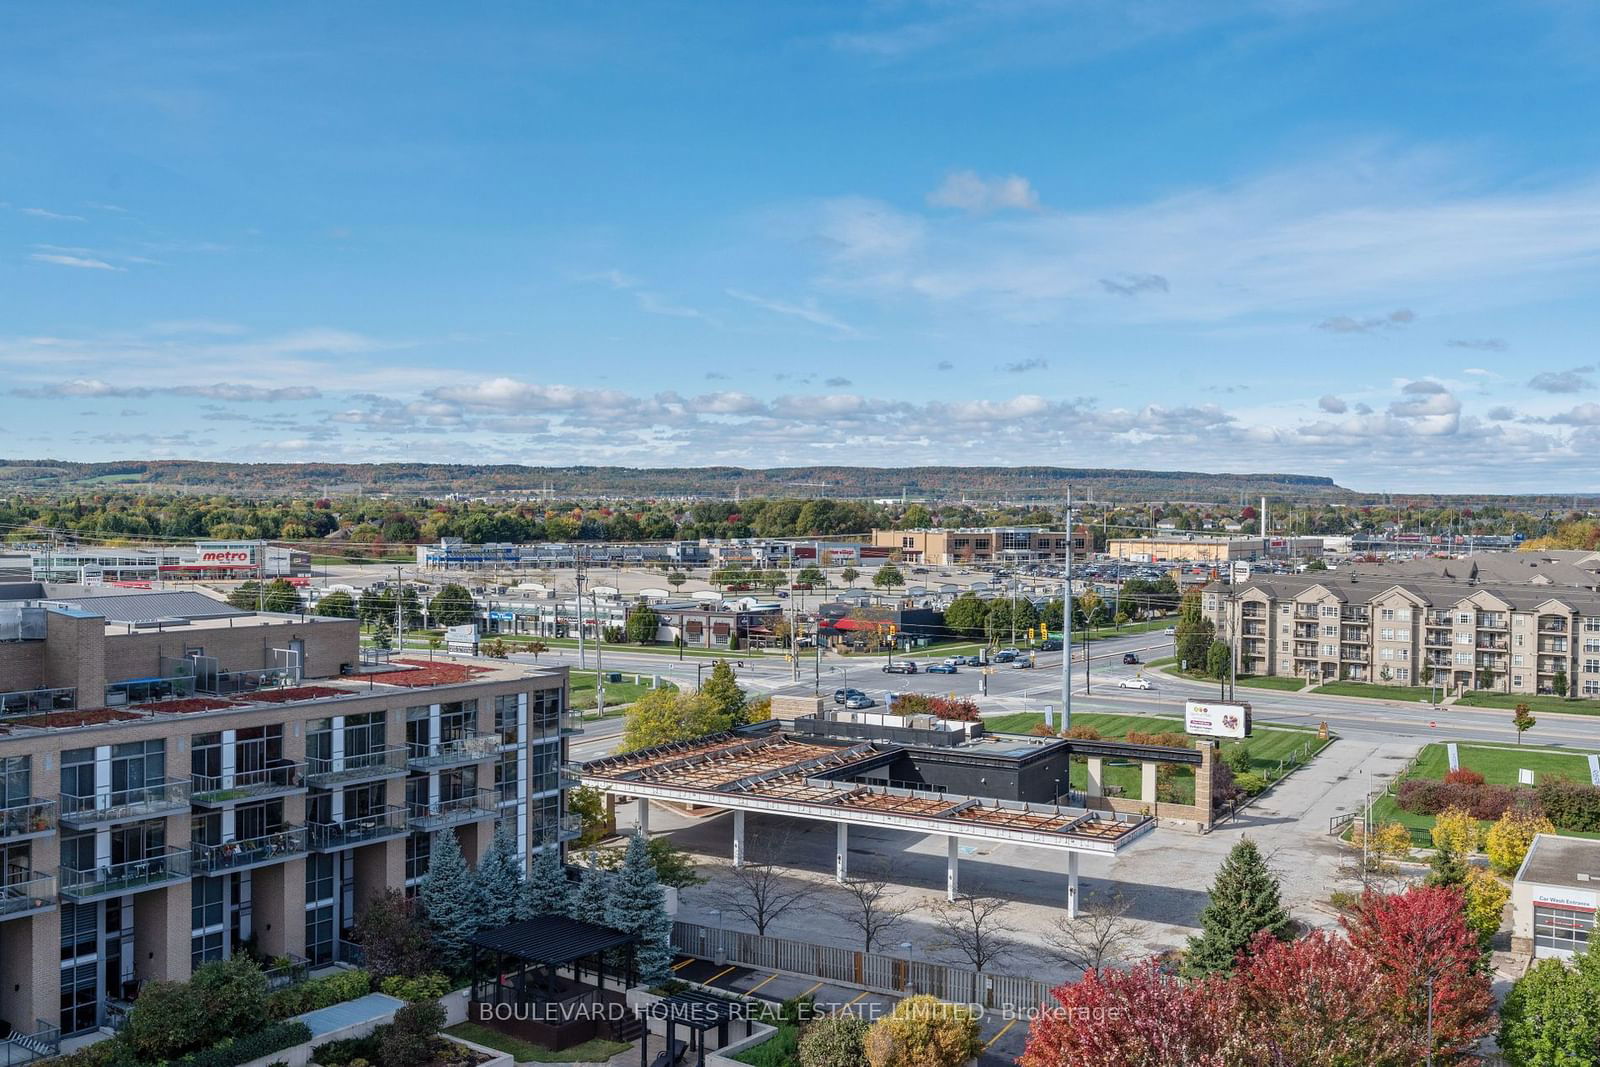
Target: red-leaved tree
{"type": "Point", "coordinates": [1412, 937]}
{"type": "Point", "coordinates": [1136, 1018]}
{"type": "Point", "coordinates": [1316, 1003]}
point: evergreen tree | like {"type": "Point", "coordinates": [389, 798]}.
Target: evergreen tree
{"type": "Point", "coordinates": [548, 892]}
{"type": "Point", "coordinates": [594, 890]}
{"type": "Point", "coordinates": [499, 878]}
{"type": "Point", "coordinates": [1447, 868]}
{"type": "Point", "coordinates": [449, 896]}
{"type": "Point", "coordinates": [1244, 902]}
{"type": "Point", "coordinates": [638, 905]}
{"type": "Point", "coordinates": [723, 691]}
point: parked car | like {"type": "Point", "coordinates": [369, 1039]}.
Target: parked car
{"type": "Point", "coordinates": [859, 701]}
{"type": "Point", "coordinates": [1135, 683]}
{"type": "Point", "coordinates": [840, 696]}
{"type": "Point", "coordinates": [1171, 631]}
{"type": "Point", "coordinates": [943, 668]}
{"type": "Point", "coordinates": [973, 661]}
{"type": "Point", "coordinates": [1130, 657]}
{"type": "Point", "coordinates": [782, 595]}
{"type": "Point", "coordinates": [954, 661]}
{"type": "Point", "coordinates": [900, 666]}
{"type": "Point", "coordinates": [1011, 651]}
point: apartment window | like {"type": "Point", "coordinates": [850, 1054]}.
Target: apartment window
{"type": "Point", "coordinates": [319, 740]}
{"type": "Point", "coordinates": [1402, 614]}
{"type": "Point", "coordinates": [1329, 611]}
{"type": "Point", "coordinates": [419, 734]}
{"type": "Point", "coordinates": [208, 915]}
{"type": "Point", "coordinates": [1283, 646]}
{"type": "Point", "coordinates": [16, 780]}
{"type": "Point", "coordinates": [1591, 644]}
{"type": "Point", "coordinates": [1211, 602]}
{"type": "Point", "coordinates": [1330, 650]}
{"type": "Point", "coordinates": [1516, 660]}
{"type": "Point", "coordinates": [1591, 687]}
{"type": "Point", "coordinates": [1519, 640]}
{"type": "Point", "coordinates": [1463, 637]}
{"type": "Point", "coordinates": [505, 778]}
{"type": "Point", "coordinates": [1463, 659]}
{"type": "Point", "coordinates": [1591, 666]}
{"type": "Point", "coordinates": [1405, 654]}
{"type": "Point", "coordinates": [1402, 674]}
{"type": "Point", "coordinates": [1330, 631]}
{"type": "Point", "coordinates": [418, 848]}
{"type": "Point", "coordinates": [1516, 681]}
{"type": "Point", "coordinates": [364, 734]}
{"type": "Point", "coordinates": [457, 719]}
{"type": "Point", "coordinates": [505, 718]}
{"type": "Point", "coordinates": [1387, 615]}
{"type": "Point", "coordinates": [1591, 624]}
{"type": "Point", "coordinates": [1387, 653]}
{"type": "Point", "coordinates": [135, 766]}
{"type": "Point", "coordinates": [1387, 634]}
{"type": "Point", "coordinates": [1464, 618]}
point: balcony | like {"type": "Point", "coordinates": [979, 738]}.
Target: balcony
{"type": "Point", "coordinates": [350, 770]}
{"type": "Point", "coordinates": [570, 827]}
{"type": "Point", "coordinates": [27, 817]}
{"type": "Point", "coordinates": [571, 774]}
{"type": "Point", "coordinates": [1353, 635]}
{"type": "Point", "coordinates": [1549, 624]}
{"type": "Point", "coordinates": [37, 701]}
{"type": "Point", "coordinates": [1305, 632]}
{"type": "Point", "coordinates": [1254, 629]}
{"type": "Point", "coordinates": [162, 868]}
{"type": "Point", "coordinates": [27, 896]}
{"type": "Point", "coordinates": [1302, 611]}
{"type": "Point", "coordinates": [167, 796]}
{"type": "Point", "coordinates": [217, 791]}
{"type": "Point", "coordinates": [1438, 638]}
{"type": "Point", "coordinates": [278, 846]}
{"type": "Point", "coordinates": [1253, 611]}
{"type": "Point", "coordinates": [470, 747]}
{"type": "Point", "coordinates": [479, 804]}
{"type": "Point", "coordinates": [380, 825]}
{"type": "Point", "coordinates": [570, 723]}
{"type": "Point", "coordinates": [1493, 642]}
{"type": "Point", "coordinates": [1495, 621]}
{"type": "Point", "coordinates": [146, 690]}
{"type": "Point", "coordinates": [1358, 617]}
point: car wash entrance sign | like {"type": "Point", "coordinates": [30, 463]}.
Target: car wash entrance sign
{"type": "Point", "coordinates": [1216, 719]}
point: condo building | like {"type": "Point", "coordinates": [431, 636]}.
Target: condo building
{"type": "Point", "coordinates": [1366, 627]}
{"type": "Point", "coordinates": [181, 781]}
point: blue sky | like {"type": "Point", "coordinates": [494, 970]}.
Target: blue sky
{"type": "Point", "coordinates": [1342, 238]}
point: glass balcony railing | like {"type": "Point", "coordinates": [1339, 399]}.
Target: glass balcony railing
{"type": "Point", "coordinates": [165, 796]}
{"type": "Point", "coordinates": [470, 747]}
{"type": "Point", "coordinates": [27, 817]}
{"type": "Point", "coordinates": [42, 1042]}
{"type": "Point", "coordinates": [386, 822]}
{"type": "Point", "coordinates": [281, 779]}
{"type": "Point", "coordinates": [27, 894]}
{"type": "Point", "coordinates": [569, 828]}
{"type": "Point", "coordinates": [37, 701]}
{"type": "Point", "coordinates": [157, 870]}
{"type": "Point", "coordinates": [145, 690]}
{"type": "Point", "coordinates": [379, 763]}
{"type": "Point", "coordinates": [274, 847]}
{"type": "Point", "coordinates": [235, 683]}
{"type": "Point", "coordinates": [479, 804]}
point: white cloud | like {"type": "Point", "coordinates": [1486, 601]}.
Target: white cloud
{"type": "Point", "coordinates": [83, 262]}
{"type": "Point", "coordinates": [807, 311]}
{"type": "Point", "coordinates": [41, 213]}
{"type": "Point", "coordinates": [967, 191]}
{"type": "Point", "coordinates": [1333, 405]}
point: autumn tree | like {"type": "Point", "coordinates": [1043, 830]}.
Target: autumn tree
{"type": "Point", "coordinates": [924, 1031]}
{"type": "Point", "coordinates": [973, 928]}
{"type": "Point", "coordinates": [1135, 1018]}
{"type": "Point", "coordinates": [1509, 839]}
{"type": "Point", "coordinates": [662, 716]}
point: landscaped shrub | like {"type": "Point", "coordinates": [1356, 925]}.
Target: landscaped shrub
{"type": "Point", "coordinates": [1249, 783]}
{"type": "Point", "coordinates": [167, 1022]}
{"type": "Point", "coordinates": [430, 986]}
{"type": "Point", "coordinates": [318, 993]}
{"type": "Point", "coordinates": [346, 1051]}
{"type": "Point", "coordinates": [1429, 796]}
{"type": "Point", "coordinates": [410, 1040]}
{"type": "Point", "coordinates": [1083, 732]}
{"type": "Point", "coordinates": [1570, 805]}
{"type": "Point", "coordinates": [838, 1040]}
{"type": "Point", "coordinates": [1237, 759]}
{"type": "Point", "coordinates": [1462, 776]}
{"type": "Point", "coordinates": [1167, 738]}
{"type": "Point", "coordinates": [265, 1042]}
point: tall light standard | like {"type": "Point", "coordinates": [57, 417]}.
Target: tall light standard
{"type": "Point", "coordinates": [1066, 628]}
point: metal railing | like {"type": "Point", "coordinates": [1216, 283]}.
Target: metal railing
{"type": "Point", "coordinates": [151, 872]}
{"type": "Point", "coordinates": [232, 683]}
{"type": "Point", "coordinates": [478, 804]}
{"type": "Point", "coordinates": [349, 953]}
{"type": "Point", "coordinates": [274, 847]}
{"type": "Point", "coordinates": [19, 1048]}
{"type": "Point", "coordinates": [27, 895]}
{"type": "Point", "coordinates": [29, 815]}
{"type": "Point", "coordinates": [389, 821]}
{"type": "Point", "coordinates": [291, 971]}
{"type": "Point", "coordinates": [569, 828]}
{"type": "Point", "coordinates": [888, 974]}
{"type": "Point", "coordinates": [379, 763]}
{"type": "Point", "coordinates": [241, 785]}
{"type": "Point", "coordinates": [470, 747]}
{"type": "Point", "coordinates": [162, 797]}
{"type": "Point", "coordinates": [34, 701]}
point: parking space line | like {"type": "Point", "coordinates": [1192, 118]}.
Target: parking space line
{"type": "Point", "coordinates": [855, 998]}
{"type": "Point", "coordinates": [995, 1039]}
{"type": "Point", "coordinates": [684, 963]}
{"type": "Point", "coordinates": [810, 991]}
{"type": "Point", "coordinates": [720, 974]}
{"type": "Point", "coordinates": [763, 982]}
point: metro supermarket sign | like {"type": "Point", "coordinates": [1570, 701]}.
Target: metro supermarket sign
{"type": "Point", "coordinates": [226, 553]}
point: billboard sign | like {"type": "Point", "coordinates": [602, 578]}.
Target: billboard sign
{"type": "Point", "coordinates": [462, 638]}
{"type": "Point", "coordinates": [1209, 719]}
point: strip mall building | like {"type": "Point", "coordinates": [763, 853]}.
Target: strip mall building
{"type": "Point", "coordinates": [203, 560]}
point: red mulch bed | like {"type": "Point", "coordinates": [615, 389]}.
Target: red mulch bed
{"type": "Point", "coordinates": [188, 705]}
{"type": "Point", "coordinates": [425, 674]}
{"type": "Point", "coordinates": [61, 720]}
{"type": "Point", "coordinates": [302, 692]}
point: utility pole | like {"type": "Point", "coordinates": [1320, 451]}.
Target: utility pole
{"type": "Point", "coordinates": [1066, 628]}
{"type": "Point", "coordinates": [599, 674]}
{"type": "Point", "coordinates": [577, 570]}
{"type": "Point", "coordinates": [399, 619]}
{"type": "Point", "coordinates": [794, 624]}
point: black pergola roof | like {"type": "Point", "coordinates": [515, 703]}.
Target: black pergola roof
{"type": "Point", "coordinates": [699, 1010]}
{"type": "Point", "coordinates": [552, 940]}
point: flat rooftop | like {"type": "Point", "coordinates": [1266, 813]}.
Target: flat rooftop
{"type": "Point", "coordinates": [807, 776]}
{"type": "Point", "coordinates": [1573, 862]}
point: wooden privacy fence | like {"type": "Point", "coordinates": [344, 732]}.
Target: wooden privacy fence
{"type": "Point", "coordinates": [884, 974]}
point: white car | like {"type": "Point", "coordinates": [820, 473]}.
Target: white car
{"type": "Point", "coordinates": [1135, 683]}
{"type": "Point", "coordinates": [1171, 631]}
{"type": "Point", "coordinates": [954, 661]}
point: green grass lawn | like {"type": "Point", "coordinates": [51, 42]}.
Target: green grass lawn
{"type": "Point", "coordinates": [1268, 745]}
{"type": "Point", "coordinates": [1268, 681]}
{"type": "Point", "coordinates": [1371, 691]}
{"type": "Point", "coordinates": [1536, 704]}
{"type": "Point", "coordinates": [595, 1050]}
{"type": "Point", "coordinates": [582, 688]}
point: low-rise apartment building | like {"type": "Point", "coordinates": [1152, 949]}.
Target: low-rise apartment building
{"type": "Point", "coordinates": [1367, 628]}
{"type": "Point", "coordinates": [177, 789]}
{"type": "Point", "coordinates": [989, 544]}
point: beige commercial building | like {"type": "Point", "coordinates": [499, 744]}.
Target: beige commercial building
{"type": "Point", "coordinates": [989, 544]}
{"type": "Point", "coordinates": [1199, 548]}
{"type": "Point", "coordinates": [1554, 896]}
{"type": "Point", "coordinates": [176, 788]}
{"type": "Point", "coordinates": [1367, 628]}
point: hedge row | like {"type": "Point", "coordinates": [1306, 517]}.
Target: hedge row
{"type": "Point", "coordinates": [318, 993]}
{"type": "Point", "coordinates": [231, 1053]}
{"type": "Point", "coordinates": [1568, 804]}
